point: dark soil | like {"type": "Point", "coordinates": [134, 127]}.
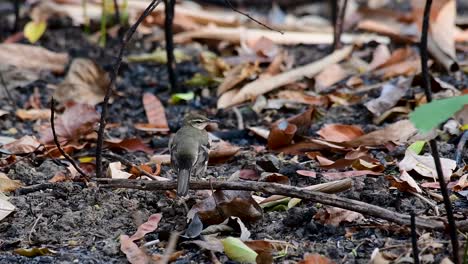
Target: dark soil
{"type": "Point", "coordinates": [82, 222]}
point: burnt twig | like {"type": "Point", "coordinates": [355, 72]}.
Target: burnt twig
{"type": "Point", "coordinates": [16, 6]}
{"type": "Point", "coordinates": [435, 153]}
{"type": "Point", "coordinates": [117, 12]}
{"type": "Point", "coordinates": [169, 34]}
{"type": "Point", "coordinates": [250, 17]}
{"type": "Point", "coordinates": [57, 143]}
{"type": "Point", "coordinates": [123, 45]}
{"type": "Point", "coordinates": [460, 147]}
{"type": "Point", "coordinates": [340, 12]}
{"type": "Point", "coordinates": [414, 239]}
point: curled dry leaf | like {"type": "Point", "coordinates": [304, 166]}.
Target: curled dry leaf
{"type": "Point", "coordinates": [134, 254]}
{"type": "Point", "coordinates": [32, 57]}
{"type": "Point", "coordinates": [424, 165]}
{"type": "Point", "coordinates": [128, 144]}
{"type": "Point", "coordinates": [281, 135]}
{"type": "Point", "coordinates": [26, 144]}
{"type": "Point", "coordinates": [86, 82]}
{"type": "Point", "coordinates": [228, 203]}
{"type": "Point", "coordinates": [147, 227]}
{"type": "Point", "coordinates": [115, 171]}
{"type": "Point", "coordinates": [389, 97]}
{"type": "Point", "coordinates": [340, 133]}
{"type": "Point", "coordinates": [405, 183]}
{"type": "Point", "coordinates": [461, 184]}
{"type": "Point", "coordinates": [335, 216]}
{"type": "Point", "coordinates": [77, 121]}
{"type": "Point", "coordinates": [380, 56]}
{"type": "Point", "coordinates": [303, 121]}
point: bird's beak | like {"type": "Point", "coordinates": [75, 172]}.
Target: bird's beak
{"type": "Point", "coordinates": [214, 121]}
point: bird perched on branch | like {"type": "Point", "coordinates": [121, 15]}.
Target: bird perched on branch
{"type": "Point", "coordinates": [189, 151]}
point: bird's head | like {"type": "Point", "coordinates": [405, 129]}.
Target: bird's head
{"type": "Point", "coordinates": [197, 121]}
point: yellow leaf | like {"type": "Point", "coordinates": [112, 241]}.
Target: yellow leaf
{"type": "Point", "coordinates": [34, 30]}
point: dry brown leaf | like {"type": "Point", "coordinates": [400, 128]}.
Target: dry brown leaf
{"type": "Point", "coordinates": [380, 56]}
{"type": "Point", "coordinates": [129, 144]}
{"type": "Point", "coordinates": [340, 133]}
{"type": "Point", "coordinates": [77, 121]}
{"type": "Point", "coordinates": [302, 98]}
{"type": "Point", "coordinates": [398, 56]}
{"type": "Point", "coordinates": [147, 227]}
{"type": "Point", "coordinates": [7, 184]}
{"type": "Point", "coordinates": [335, 216]}
{"type": "Point", "coordinates": [161, 159]}
{"type": "Point", "coordinates": [221, 151]}
{"type": "Point", "coordinates": [86, 82]}
{"type": "Point", "coordinates": [398, 133]}
{"type": "Point", "coordinates": [155, 112]}
{"type": "Point", "coordinates": [316, 259]}
{"type": "Point", "coordinates": [303, 121]}
{"type": "Point", "coordinates": [400, 32]}
{"type": "Point", "coordinates": [6, 207]}
{"type": "Point", "coordinates": [281, 134]}
{"type": "Point", "coordinates": [264, 85]}
{"type": "Point", "coordinates": [329, 76]}
{"type": "Point", "coordinates": [33, 114]}
{"type": "Point", "coordinates": [424, 165]}
{"type": "Point", "coordinates": [389, 96]}
{"type": "Point", "coordinates": [225, 203]}
{"type": "Point", "coordinates": [236, 75]}
{"type": "Point", "coordinates": [32, 57]}
{"type": "Point", "coordinates": [26, 144]}
{"type": "Point", "coordinates": [405, 183]}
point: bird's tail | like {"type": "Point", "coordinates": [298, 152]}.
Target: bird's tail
{"type": "Point", "coordinates": [183, 182]}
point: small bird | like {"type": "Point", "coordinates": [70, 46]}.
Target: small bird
{"type": "Point", "coordinates": [189, 151]}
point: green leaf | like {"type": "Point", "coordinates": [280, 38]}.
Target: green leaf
{"type": "Point", "coordinates": [293, 202]}
{"type": "Point", "coordinates": [175, 98]}
{"type": "Point", "coordinates": [417, 146]}
{"type": "Point", "coordinates": [428, 116]}
{"type": "Point", "coordinates": [236, 250]}
{"type": "Point", "coordinates": [34, 30]}
{"type": "Point", "coordinates": [33, 252]}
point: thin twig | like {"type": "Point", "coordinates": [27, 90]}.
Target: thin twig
{"type": "Point", "coordinates": [123, 45]}
{"type": "Point", "coordinates": [57, 143]}
{"type": "Point", "coordinates": [251, 18]}
{"type": "Point", "coordinates": [414, 239]}
{"type": "Point", "coordinates": [338, 26]}
{"type": "Point", "coordinates": [435, 153]}
{"type": "Point", "coordinates": [16, 5]}
{"type": "Point", "coordinates": [170, 247]}
{"type": "Point", "coordinates": [169, 34]}
{"type": "Point", "coordinates": [289, 191]}
{"type": "Point", "coordinates": [117, 12]}
{"type": "Point", "coordinates": [33, 228]}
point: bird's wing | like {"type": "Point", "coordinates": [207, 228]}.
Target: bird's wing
{"type": "Point", "coordinates": [173, 151]}
{"type": "Point", "coordinates": [202, 159]}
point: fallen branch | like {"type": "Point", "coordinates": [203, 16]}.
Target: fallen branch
{"type": "Point", "coordinates": [285, 190]}
{"type": "Point", "coordinates": [264, 85]}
